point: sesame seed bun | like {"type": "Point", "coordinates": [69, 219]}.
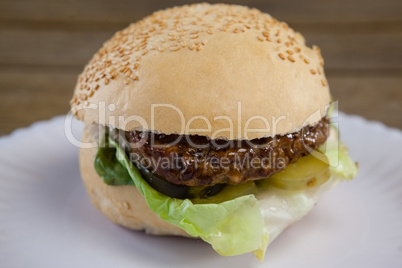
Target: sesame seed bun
{"type": "Point", "coordinates": [123, 205]}
{"type": "Point", "coordinates": [226, 64]}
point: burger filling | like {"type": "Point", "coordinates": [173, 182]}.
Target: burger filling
{"type": "Point", "coordinates": [238, 215]}
{"type": "Point", "coordinates": [189, 166]}
{"type": "Point", "coordinates": [194, 160]}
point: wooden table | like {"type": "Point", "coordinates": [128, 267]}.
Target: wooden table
{"type": "Point", "coordinates": [46, 43]}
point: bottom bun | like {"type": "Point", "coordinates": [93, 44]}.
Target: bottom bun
{"type": "Point", "coordinates": [123, 205]}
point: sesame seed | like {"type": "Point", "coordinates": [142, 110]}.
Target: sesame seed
{"type": "Point", "coordinates": [91, 93]}
{"type": "Point", "coordinates": [128, 72]}
{"type": "Point", "coordinates": [291, 59]}
{"type": "Point", "coordinates": [323, 83]}
{"type": "Point", "coordinates": [174, 48]}
{"type": "Point", "coordinates": [306, 61]}
{"type": "Point", "coordinates": [260, 38]}
{"type": "Point", "coordinates": [313, 71]}
{"type": "Point", "coordinates": [290, 52]}
{"type": "Point", "coordinates": [106, 81]}
{"type": "Point", "coordinates": [126, 81]}
{"type": "Point", "coordinates": [281, 56]}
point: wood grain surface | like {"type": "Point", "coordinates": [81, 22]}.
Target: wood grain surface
{"type": "Point", "coordinates": [46, 43]}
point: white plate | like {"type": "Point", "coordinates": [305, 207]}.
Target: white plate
{"type": "Point", "coordinates": [46, 219]}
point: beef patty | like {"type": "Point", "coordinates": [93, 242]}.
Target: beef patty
{"type": "Point", "coordinates": [194, 160]}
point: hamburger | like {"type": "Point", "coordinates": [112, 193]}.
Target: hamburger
{"type": "Point", "coordinates": [208, 121]}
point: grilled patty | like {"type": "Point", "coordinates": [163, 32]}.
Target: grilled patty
{"type": "Point", "coordinates": [194, 160]}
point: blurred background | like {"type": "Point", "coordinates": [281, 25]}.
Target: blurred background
{"type": "Point", "coordinates": [44, 45]}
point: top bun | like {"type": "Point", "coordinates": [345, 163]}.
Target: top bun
{"type": "Point", "coordinates": [214, 70]}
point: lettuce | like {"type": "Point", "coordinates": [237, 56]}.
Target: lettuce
{"type": "Point", "coordinates": [340, 162]}
{"type": "Point", "coordinates": [232, 227]}
{"type": "Point", "coordinates": [239, 219]}
{"type": "Point", "coordinates": [109, 169]}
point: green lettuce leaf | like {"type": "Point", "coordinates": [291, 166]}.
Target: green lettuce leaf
{"type": "Point", "coordinates": [232, 227]}
{"type": "Point", "coordinates": [109, 169]}
{"type": "Point", "coordinates": [340, 162]}
{"type": "Point", "coordinates": [240, 219]}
